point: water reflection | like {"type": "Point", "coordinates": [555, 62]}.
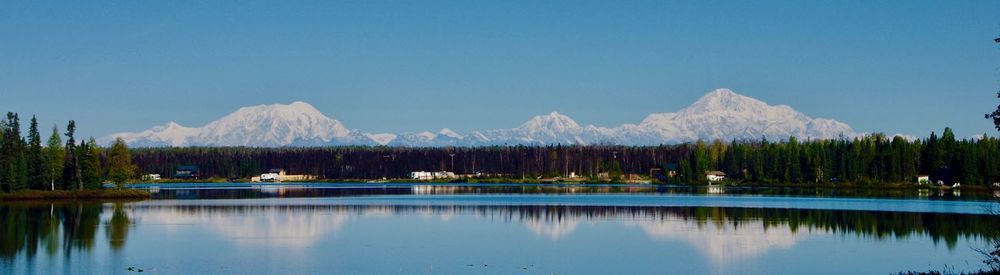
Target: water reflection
{"type": "Point", "coordinates": [271, 226]}
{"type": "Point", "coordinates": [725, 242]}
{"type": "Point", "coordinates": [721, 235]}
{"type": "Point", "coordinates": [59, 227]}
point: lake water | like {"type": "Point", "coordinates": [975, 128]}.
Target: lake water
{"type": "Point", "coordinates": [506, 229]}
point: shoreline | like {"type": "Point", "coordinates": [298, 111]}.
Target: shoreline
{"type": "Point", "coordinates": [845, 186]}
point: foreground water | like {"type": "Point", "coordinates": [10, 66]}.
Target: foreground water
{"type": "Point", "coordinates": [514, 229]}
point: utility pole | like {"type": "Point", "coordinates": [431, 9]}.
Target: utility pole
{"type": "Point", "coordinates": [384, 166]}
{"type": "Point", "coordinates": [452, 162]}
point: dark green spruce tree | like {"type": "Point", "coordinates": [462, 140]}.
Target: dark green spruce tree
{"type": "Point", "coordinates": [36, 161]}
{"type": "Point", "coordinates": [3, 155]}
{"type": "Point", "coordinates": [71, 169]}
{"type": "Point", "coordinates": [13, 162]}
{"type": "Point", "coordinates": [91, 172]}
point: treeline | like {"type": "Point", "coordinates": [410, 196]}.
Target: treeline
{"type": "Point", "coordinates": [362, 162]}
{"type": "Point", "coordinates": [872, 159]}
{"type": "Point", "coordinates": [27, 164]}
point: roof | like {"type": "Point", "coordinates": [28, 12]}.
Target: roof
{"type": "Point", "coordinates": [715, 173]}
{"type": "Point", "coordinates": [275, 170]}
{"type": "Point", "coordinates": [187, 168]}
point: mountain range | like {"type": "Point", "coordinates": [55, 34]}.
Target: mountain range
{"type": "Point", "coordinates": [720, 114]}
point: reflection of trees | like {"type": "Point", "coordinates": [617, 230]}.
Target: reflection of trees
{"type": "Point", "coordinates": [27, 227]}
{"type": "Point", "coordinates": [117, 230]}
{"type": "Point", "coordinates": [56, 227]}
{"type": "Point", "coordinates": [878, 224]}
{"type": "Point", "coordinates": [80, 223]}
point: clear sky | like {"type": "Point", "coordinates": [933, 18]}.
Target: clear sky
{"type": "Point", "coordinates": [395, 66]}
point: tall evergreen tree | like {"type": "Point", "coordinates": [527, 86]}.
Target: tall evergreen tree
{"type": "Point", "coordinates": [71, 171]}
{"type": "Point", "coordinates": [14, 162]}
{"type": "Point", "coordinates": [36, 161]}
{"type": "Point", "coordinates": [4, 155]}
{"type": "Point", "coordinates": [55, 159]}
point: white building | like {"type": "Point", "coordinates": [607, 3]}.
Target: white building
{"type": "Point", "coordinates": [423, 175]}
{"type": "Point", "coordinates": [151, 177]}
{"type": "Point", "coordinates": [923, 179]}
{"type": "Point", "coordinates": [714, 176]}
{"type": "Point", "coordinates": [444, 175]}
{"type": "Point", "coordinates": [272, 175]}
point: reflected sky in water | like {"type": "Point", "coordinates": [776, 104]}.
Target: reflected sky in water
{"type": "Point", "coordinates": [395, 233]}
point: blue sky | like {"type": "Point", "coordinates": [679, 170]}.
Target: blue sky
{"type": "Point", "coordinates": [396, 66]}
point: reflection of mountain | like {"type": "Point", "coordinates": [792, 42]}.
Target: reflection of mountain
{"type": "Point", "coordinates": [275, 227]}
{"type": "Point", "coordinates": [722, 242]}
{"type": "Point", "coordinates": [553, 229]}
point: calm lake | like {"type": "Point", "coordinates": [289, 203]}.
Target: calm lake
{"type": "Point", "coordinates": [493, 229]}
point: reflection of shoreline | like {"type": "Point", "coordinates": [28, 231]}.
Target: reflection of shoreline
{"type": "Point", "coordinates": [304, 190]}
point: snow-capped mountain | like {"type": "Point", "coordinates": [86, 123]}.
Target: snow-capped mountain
{"type": "Point", "coordinates": [554, 128]}
{"type": "Point", "coordinates": [723, 114]}
{"type": "Point", "coordinates": [720, 114]}
{"type": "Point", "coordinates": [295, 124]}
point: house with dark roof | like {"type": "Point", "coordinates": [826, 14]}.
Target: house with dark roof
{"type": "Point", "coordinates": [187, 172]}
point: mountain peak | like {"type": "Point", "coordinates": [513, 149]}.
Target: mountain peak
{"type": "Point", "coordinates": [449, 133]}
{"type": "Point", "coordinates": [553, 121]}
{"type": "Point", "coordinates": [299, 107]}
{"type": "Point", "coordinates": [722, 95]}
{"type": "Point", "coordinates": [302, 106]}
{"type": "Point", "coordinates": [724, 99]}
{"type": "Point", "coordinates": [172, 124]}
{"type": "Point", "coordinates": [724, 92]}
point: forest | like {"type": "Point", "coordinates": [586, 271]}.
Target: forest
{"type": "Point", "coordinates": [871, 159]}
{"type": "Point", "coordinates": [27, 163]}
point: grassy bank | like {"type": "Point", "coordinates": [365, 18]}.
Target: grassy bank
{"type": "Point", "coordinates": [75, 195]}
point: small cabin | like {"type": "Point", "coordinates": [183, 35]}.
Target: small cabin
{"type": "Point", "coordinates": [923, 179]}
{"type": "Point", "coordinates": [148, 177]}
{"type": "Point", "coordinates": [279, 171]}
{"type": "Point", "coordinates": [715, 176]}
{"type": "Point", "coordinates": [187, 172]}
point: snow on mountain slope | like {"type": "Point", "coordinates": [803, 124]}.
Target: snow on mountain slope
{"type": "Point", "coordinates": [723, 114]}
{"type": "Point", "coordinates": [720, 114]}
{"type": "Point", "coordinates": [170, 134]}
{"type": "Point", "coordinates": [298, 124]}
{"type": "Point", "coordinates": [548, 129]}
